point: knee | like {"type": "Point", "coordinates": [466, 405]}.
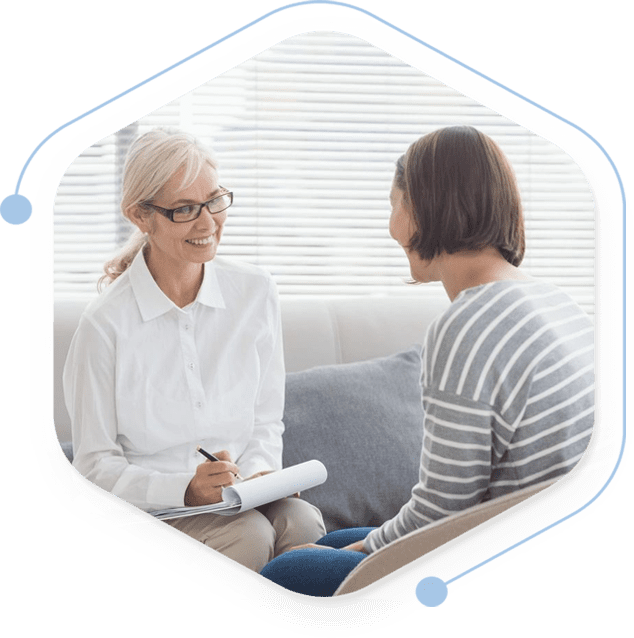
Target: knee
{"type": "Point", "coordinates": [314, 572]}
{"type": "Point", "coordinates": [294, 513]}
{"type": "Point", "coordinates": [295, 522]}
{"type": "Point", "coordinates": [259, 537]}
{"type": "Point", "coordinates": [251, 542]}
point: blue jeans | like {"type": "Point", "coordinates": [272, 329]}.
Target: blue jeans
{"type": "Point", "coordinates": [318, 572]}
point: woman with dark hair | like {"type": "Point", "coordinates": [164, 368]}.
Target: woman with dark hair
{"type": "Point", "coordinates": [507, 369]}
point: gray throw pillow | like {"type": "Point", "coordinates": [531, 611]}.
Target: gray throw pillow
{"type": "Point", "coordinates": [364, 422]}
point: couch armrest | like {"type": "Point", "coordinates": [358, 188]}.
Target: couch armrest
{"type": "Point", "coordinates": [420, 542]}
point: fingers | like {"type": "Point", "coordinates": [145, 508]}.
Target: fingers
{"type": "Point", "coordinates": [209, 479]}
{"type": "Point", "coordinates": [216, 474]}
{"type": "Point", "coordinates": [206, 486]}
{"type": "Point", "coordinates": [223, 464]}
{"type": "Point", "coordinates": [223, 455]}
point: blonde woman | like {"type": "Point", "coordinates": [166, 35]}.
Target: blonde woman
{"type": "Point", "coordinates": [183, 349]}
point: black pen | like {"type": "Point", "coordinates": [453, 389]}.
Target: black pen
{"type": "Point", "coordinates": [211, 457]}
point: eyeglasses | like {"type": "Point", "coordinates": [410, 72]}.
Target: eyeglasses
{"type": "Point", "coordinates": [191, 212]}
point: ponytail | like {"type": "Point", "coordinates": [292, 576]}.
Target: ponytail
{"type": "Point", "coordinates": [121, 262]}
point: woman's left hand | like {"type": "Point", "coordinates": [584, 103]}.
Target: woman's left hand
{"type": "Point", "coordinates": [353, 547]}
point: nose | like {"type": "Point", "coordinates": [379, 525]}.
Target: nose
{"type": "Point", "coordinates": [207, 216]}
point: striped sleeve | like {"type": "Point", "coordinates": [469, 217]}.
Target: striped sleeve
{"type": "Point", "coordinates": [508, 394]}
{"type": "Point", "coordinates": [455, 463]}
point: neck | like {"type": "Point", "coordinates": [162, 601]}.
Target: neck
{"type": "Point", "coordinates": [179, 282]}
{"type": "Point", "coordinates": [468, 269]}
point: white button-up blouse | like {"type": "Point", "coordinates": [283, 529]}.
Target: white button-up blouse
{"type": "Point", "coordinates": [146, 382]}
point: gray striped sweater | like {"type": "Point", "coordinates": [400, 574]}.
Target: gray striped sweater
{"type": "Point", "coordinates": [508, 397]}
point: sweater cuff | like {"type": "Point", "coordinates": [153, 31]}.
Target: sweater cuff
{"type": "Point", "coordinates": [372, 541]}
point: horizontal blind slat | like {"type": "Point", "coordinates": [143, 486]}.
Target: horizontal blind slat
{"type": "Point", "coordinates": [306, 135]}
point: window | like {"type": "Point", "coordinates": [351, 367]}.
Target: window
{"type": "Point", "coordinates": [306, 134]}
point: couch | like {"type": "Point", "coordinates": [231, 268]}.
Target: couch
{"type": "Point", "coordinates": [353, 402]}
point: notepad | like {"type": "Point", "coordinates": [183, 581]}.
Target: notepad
{"type": "Point", "coordinates": [255, 492]}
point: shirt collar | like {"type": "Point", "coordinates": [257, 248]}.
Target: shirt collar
{"type": "Point", "coordinates": [153, 302]}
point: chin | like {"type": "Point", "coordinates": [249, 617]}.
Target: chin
{"type": "Point", "coordinates": [208, 256]}
{"type": "Point", "coordinates": [422, 271]}
{"type": "Point", "coordinates": [415, 275]}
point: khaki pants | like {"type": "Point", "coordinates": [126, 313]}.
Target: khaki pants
{"type": "Point", "coordinates": [255, 537]}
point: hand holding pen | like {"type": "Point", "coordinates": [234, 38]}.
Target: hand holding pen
{"type": "Point", "coordinates": [206, 486]}
{"type": "Point", "coordinates": [211, 457]}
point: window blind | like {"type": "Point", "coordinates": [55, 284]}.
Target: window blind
{"type": "Point", "coordinates": [306, 134]}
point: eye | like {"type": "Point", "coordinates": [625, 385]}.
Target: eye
{"type": "Point", "coordinates": [184, 210]}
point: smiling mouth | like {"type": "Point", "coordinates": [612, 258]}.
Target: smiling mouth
{"type": "Point", "coordinates": [200, 242]}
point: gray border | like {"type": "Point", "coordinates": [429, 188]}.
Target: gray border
{"type": "Point", "coordinates": [587, 486]}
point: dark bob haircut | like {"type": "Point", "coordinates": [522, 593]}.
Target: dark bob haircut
{"type": "Point", "coordinates": [462, 193]}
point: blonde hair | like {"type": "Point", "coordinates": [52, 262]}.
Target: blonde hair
{"type": "Point", "coordinates": [153, 158]}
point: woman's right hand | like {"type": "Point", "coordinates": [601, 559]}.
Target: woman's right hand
{"type": "Point", "coordinates": [211, 476]}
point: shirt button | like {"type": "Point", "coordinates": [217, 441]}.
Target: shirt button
{"type": "Point", "coordinates": [186, 326]}
{"type": "Point", "coordinates": [199, 404]}
{"type": "Point", "coordinates": [191, 366]}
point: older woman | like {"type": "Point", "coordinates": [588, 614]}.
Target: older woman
{"type": "Point", "coordinates": [183, 349]}
{"type": "Point", "coordinates": [508, 376]}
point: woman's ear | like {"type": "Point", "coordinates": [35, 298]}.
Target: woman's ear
{"type": "Point", "coordinates": [139, 217]}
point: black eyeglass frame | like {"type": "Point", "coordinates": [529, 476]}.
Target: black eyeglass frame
{"type": "Point", "coordinates": [169, 212]}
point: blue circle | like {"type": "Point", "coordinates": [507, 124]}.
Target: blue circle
{"type": "Point", "coordinates": [15, 209]}
{"type": "Point", "coordinates": [431, 591]}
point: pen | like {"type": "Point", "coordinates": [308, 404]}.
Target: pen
{"type": "Point", "coordinates": [211, 457]}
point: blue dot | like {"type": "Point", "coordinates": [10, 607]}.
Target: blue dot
{"type": "Point", "coordinates": [15, 209]}
{"type": "Point", "coordinates": [431, 591]}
